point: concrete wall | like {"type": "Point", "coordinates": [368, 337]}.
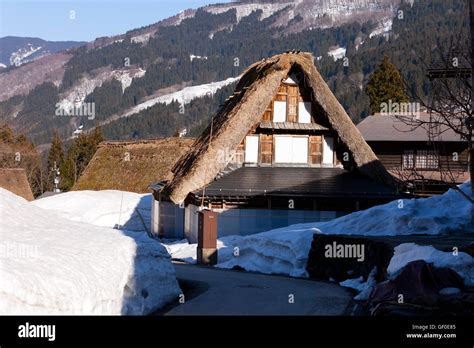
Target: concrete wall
{"type": "Point", "coordinates": [250, 221]}
{"type": "Point", "coordinates": [179, 222]}
{"type": "Point", "coordinates": [167, 220]}
{"type": "Point", "coordinates": [191, 223]}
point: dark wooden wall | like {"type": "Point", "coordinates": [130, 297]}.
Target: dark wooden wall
{"type": "Point", "coordinates": [391, 153]}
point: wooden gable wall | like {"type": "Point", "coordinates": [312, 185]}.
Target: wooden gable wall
{"type": "Point", "coordinates": [315, 130]}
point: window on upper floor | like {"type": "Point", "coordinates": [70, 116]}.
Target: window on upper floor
{"type": "Point", "coordinates": [289, 105]}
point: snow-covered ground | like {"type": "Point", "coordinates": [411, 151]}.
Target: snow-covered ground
{"type": "Point", "coordinates": [52, 265]}
{"type": "Point", "coordinates": [108, 208]}
{"type": "Point", "coordinates": [285, 250]}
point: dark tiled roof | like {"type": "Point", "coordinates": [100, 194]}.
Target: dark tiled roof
{"type": "Point", "coordinates": [296, 181]}
{"type": "Point", "coordinates": [390, 128]}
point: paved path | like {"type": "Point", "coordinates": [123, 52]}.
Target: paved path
{"type": "Point", "coordinates": [226, 292]}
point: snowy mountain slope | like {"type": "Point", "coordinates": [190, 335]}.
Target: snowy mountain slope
{"type": "Point", "coordinates": [184, 96]}
{"type": "Point", "coordinates": [52, 265]}
{"type": "Point", "coordinates": [76, 94]}
{"type": "Point", "coordinates": [314, 13]}
{"type": "Point", "coordinates": [20, 50]}
{"type": "Point", "coordinates": [21, 80]}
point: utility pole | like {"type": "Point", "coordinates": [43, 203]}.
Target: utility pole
{"type": "Point", "coordinates": [471, 152]}
{"type": "Point", "coordinates": [56, 172]}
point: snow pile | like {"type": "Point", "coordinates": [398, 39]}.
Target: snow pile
{"type": "Point", "coordinates": [285, 250]}
{"type": "Point", "coordinates": [405, 253]}
{"type": "Point", "coordinates": [109, 208]}
{"type": "Point", "coordinates": [53, 266]}
{"type": "Point", "coordinates": [448, 213]}
{"type": "Point", "coordinates": [281, 251]}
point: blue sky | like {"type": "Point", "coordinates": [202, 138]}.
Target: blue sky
{"type": "Point", "coordinates": [50, 19]}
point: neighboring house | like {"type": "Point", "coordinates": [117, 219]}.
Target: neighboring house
{"type": "Point", "coordinates": [16, 181]}
{"type": "Point", "coordinates": [132, 165]}
{"type": "Point", "coordinates": [428, 159]}
{"type": "Point", "coordinates": [280, 151]}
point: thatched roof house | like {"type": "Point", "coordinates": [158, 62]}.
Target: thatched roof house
{"type": "Point", "coordinates": [243, 111]}
{"type": "Point", "coordinates": [132, 165]}
{"type": "Point", "coordinates": [16, 181]}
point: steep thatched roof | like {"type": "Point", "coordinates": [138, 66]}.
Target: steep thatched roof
{"type": "Point", "coordinates": [16, 181]}
{"type": "Point", "coordinates": [149, 161]}
{"type": "Point", "coordinates": [258, 85]}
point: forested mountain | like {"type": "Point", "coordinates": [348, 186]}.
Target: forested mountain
{"type": "Point", "coordinates": [217, 42]}
{"type": "Point", "coordinates": [16, 50]}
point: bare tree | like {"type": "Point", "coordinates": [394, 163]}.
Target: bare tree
{"type": "Point", "coordinates": [449, 101]}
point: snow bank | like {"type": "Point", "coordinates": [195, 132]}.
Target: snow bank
{"type": "Point", "coordinates": [109, 208]}
{"type": "Point", "coordinates": [285, 250]}
{"type": "Point", "coordinates": [447, 213]}
{"type": "Point", "coordinates": [51, 265]}
{"type": "Point", "coordinates": [405, 253]}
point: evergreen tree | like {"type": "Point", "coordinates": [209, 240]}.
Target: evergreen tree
{"type": "Point", "coordinates": [68, 168]}
{"type": "Point", "coordinates": [96, 137]}
{"type": "Point", "coordinates": [79, 154]}
{"type": "Point", "coordinates": [385, 84]}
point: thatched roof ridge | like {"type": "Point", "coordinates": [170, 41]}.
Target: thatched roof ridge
{"type": "Point", "coordinates": [243, 110]}
{"type": "Point", "coordinates": [16, 181]}
{"type": "Point", "coordinates": [132, 165]}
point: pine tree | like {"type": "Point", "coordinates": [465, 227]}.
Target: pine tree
{"type": "Point", "coordinates": [385, 84]}
{"type": "Point", "coordinates": [96, 137]}
{"type": "Point", "coordinates": [79, 154]}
